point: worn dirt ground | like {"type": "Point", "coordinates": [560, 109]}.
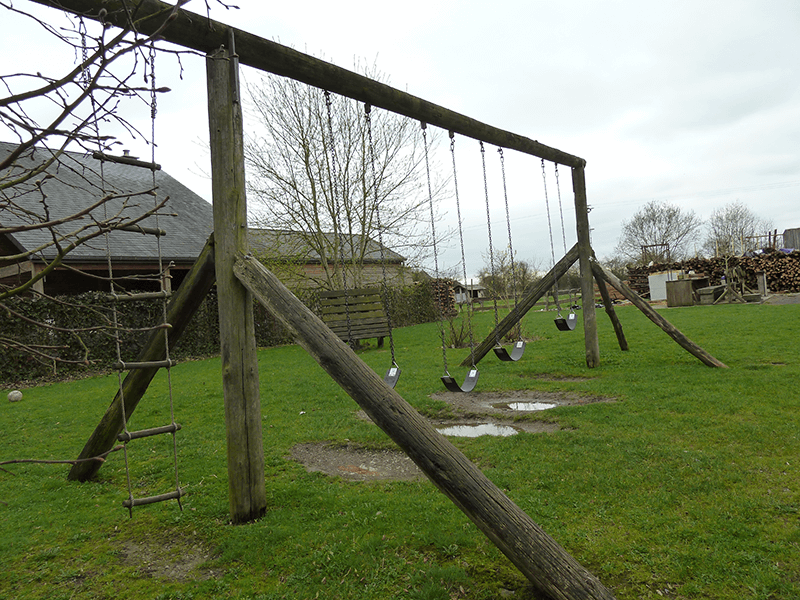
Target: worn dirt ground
{"type": "Point", "coordinates": [352, 462]}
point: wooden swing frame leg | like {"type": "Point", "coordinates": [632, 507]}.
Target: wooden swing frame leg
{"type": "Point", "coordinates": [609, 308]}
{"type": "Point", "coordinates": [650, 313]}
{"type": "Point", "coordinates": [184, 304]}
{"type": "Point", "coordinates": [541, 559]}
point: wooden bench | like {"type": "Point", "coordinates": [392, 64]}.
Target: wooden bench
{"type": "Point", "coordinates": [363, 306]}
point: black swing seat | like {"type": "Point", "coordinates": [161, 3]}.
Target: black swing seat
{"type": "Point", "coordinates": [469, 382]}
{"type": "Point", "coordinates": [516, 352]}
{"type": "Point", "coordinates": [567, 324]}
{"type": "Point", "coordinates": [392, 375]}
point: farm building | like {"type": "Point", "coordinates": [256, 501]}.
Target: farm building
{"type": "Point", "coordinates": [72, 185]}
{"type": "Point", "coordinates": [469, 292]}
{"type": "Point", "coordinates": [293, 257]}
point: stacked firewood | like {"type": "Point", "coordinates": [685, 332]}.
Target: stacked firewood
{"type": "Point", "coordinates": [444, 296]}
{"type": "Point", "coordinates": [782, 270]}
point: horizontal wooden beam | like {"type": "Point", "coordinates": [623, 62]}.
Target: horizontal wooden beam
{"type": "Point", "coordinates": [16, 269]}
{"type": "Point", "coordinates": [205, 35]}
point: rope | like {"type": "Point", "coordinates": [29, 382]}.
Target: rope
{"type": "Point", "coordinates": [384, 287]}
{"type": "Point", "coordinates": [463, 257]}
{"type": "Point", "coordinates": [163, 273]}
{"type": "Point", "coordinates": [86, 79]}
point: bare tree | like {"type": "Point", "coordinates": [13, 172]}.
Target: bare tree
{"type": "Point", "coordinates": [316, 171]}
{"type": "Point", "coordinates": [659, 232]}
{"type": "Point", "coordinates": [53, 120]}
{"type": "Point", "coordinates": [503, 281]}
{"type": "Point", "coordinates": [734, 229]}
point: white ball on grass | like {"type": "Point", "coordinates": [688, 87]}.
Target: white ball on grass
{"type": "Point", "coordinates": [14, 396]}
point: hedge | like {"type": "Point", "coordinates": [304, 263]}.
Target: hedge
{"type": "Point", "coordinates": [92, 312]}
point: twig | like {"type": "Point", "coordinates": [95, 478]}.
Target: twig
{"type": "Point", "coordinates": [99, 457]}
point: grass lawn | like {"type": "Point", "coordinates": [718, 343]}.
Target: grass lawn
{"type": "Point", "coordinates": [686, 487]}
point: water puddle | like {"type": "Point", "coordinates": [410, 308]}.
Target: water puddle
{"type": "Point", "coordinates": [527, 406]}
{"type": "Point", "coordinates": [478, 430]}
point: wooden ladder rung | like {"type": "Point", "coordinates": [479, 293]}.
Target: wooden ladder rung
{"type": "Point", "coordinates": [131, 502]}
{"type": "Point", "coordinates": [127, 436]}
{"type": "Point", "coordinates": [153, 364]}
{"type": "Point", "coordinates": [126, 160]}
{"type": "Point", "coordinates": [143, 230]}
{"type": "Point", "coordinates": [139, 296]}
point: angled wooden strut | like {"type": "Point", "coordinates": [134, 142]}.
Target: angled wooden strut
{"type": "Point", "coordinates": [609, 308]}
{"type": "Point", "coordinates": [601, 272]}
{"type": "Point", "coordinates": [541, 559]}
{"type": "Point", "coordinates": [523, 306]}
{"type": "Point", "coordinates": [185, 302]}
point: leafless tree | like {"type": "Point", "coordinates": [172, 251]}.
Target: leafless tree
{"type": "Point", "coordinates": [503, 281]}
{"type": "Point", "coordinates": [659, 232]}
{"type": "Point", "coordinates": [734, 229]}
{"type": "Point", "coordinates": [315, 170]}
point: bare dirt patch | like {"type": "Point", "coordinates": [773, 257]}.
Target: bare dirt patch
{"type": "Point", "coordinates": [355, 463]}
{"type": "Point", "coordinates": [352, 462]}
{"type": "Point", "coordinates": [175, 559]}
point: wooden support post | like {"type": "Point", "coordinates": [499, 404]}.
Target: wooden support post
{"type": "Point", "coordinates": [587, 282]}
{"type": "Point", "coordinates": [609, 307]}
{"type": "Point", "coordinates": [523, 306]}
{"type": "Point", "coordinates": [181, 309]}
{"type": "Point", "coordinates": [246, 486]}
{"type": "Point", "coordinates": [656, 318]}
{"type": "Point", "coordinates": [540, 558]}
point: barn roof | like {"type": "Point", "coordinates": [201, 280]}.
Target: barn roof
{"type": "Point", "coordinates": [75, 183]}
{"type": "Point", "coordinates": [292, 245]}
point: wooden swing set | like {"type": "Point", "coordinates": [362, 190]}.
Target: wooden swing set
{"type": "Point", "coordinates": [239, 278]}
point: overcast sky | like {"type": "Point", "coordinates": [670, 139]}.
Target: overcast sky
{"type": "Point", "coordinates": [696, 102]}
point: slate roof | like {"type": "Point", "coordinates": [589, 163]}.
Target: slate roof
{"type": "Point", "coordinates": [75, 185]}
{"type": "Point", "coordinates": [290, 245]}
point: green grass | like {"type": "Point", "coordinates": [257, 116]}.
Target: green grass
{"type": "Point", "coordinates": [686, 487]}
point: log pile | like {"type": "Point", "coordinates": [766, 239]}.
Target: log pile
{"type": "Point", "coordinates": [782, 270]}
{"type": "Point", "coordinates": [444, 297]}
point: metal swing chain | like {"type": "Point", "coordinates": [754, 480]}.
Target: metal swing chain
{"type": "Point", "coordinates": [491, 244]}
{"type": "Point", "coordinates": [552, 246]}
{"type": "Point", "coordinates": [162, 272]}
{"type": "Point", "coordinates": [510, 246]}
{"type": "Point", "coordinates": [461, 240]}
{"type": "Point", "coordinates": [368, 120]}
{"type": "Point", "coordinates": [561, 212]}
{"type": "Point", "coordinates": [438, 295]}
{"type": "Point", "coordinates": [337, 225]}
{"type": "Point", "coordinates": [563, 234]}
